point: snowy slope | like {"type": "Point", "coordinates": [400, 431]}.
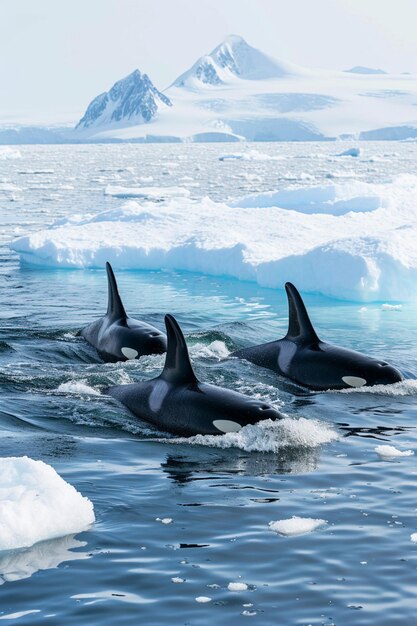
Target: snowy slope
{"type": "Point", "coordinates": [237, 92]}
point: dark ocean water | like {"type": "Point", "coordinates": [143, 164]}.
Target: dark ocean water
{"type": "Point", "coordinates": [359, 568]}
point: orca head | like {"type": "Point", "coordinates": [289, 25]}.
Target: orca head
{"type": "Point", "coordinates": [360, 371]}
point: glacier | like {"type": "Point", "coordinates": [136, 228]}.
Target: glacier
{"type": "Point", "coordinates": [353, 241]}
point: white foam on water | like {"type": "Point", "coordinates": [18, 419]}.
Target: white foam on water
{"type": "Point", "coordinates": [403, 388]}
{"type": "Point", "coordinates": [390, 452]}
{"type": "Point", "coordinates": [214, 350]}
{"type": "Point", "coordinates": [269, 436]}
{"type": "Point", "coordinates": [36, 504]}
{"type": "Point", "coordinates": [78, 387]}
{"type": "Point", "coordinates": [296, 525]}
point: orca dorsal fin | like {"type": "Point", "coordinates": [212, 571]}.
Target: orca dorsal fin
{"type": "Point", "coordinates": [115, 308]}
{"type": "Point", "coordinates": [299, 326]}
{"type": "Point", "coordinates": [178, 368]}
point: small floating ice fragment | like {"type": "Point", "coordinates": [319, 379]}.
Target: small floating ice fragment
{"type": "Point", "coordinates": [389, 452]}
{"type": "Point", "coordinates": [164, 520]}
{"type": "Point", "coordinates": [202, 599]}
{"type": "Point", "coordinates": [353, 152]}
{"type": "Point", "coordinates": [36, 504]}
{"type": "Point", "coordinates": [237, 586]}
{"type": "Point", "coordinates": [296, 525]}
{"type": "Point", "coordinates": [413, 537]}
{"type": "Point", "coordinates": [177, 579]}
{"type": "Point", "coordinates": [391, 307]}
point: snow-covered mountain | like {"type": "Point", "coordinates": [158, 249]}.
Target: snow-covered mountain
{"type": "Point", "coordinates": [132, 100]}
{"type": "Point", "coordinates": [233, 58]}
{"type": "Point", "coordinates": [237, 92]}
{"type": "Point", "coordinates": [360, 69]}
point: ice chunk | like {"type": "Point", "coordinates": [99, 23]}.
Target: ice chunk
{"type": "Point", "coordinates": [390, 452]}
{"type": "Point", "coordinates": [391, 307]}
{"type": "Point", "coordinates": [413, 537]}
{"type": "Point", "coordinates": [7, 152]}
{"type": "Point", "coordinates": [37, 504]}
{"type": "Point", "coordinates": [308, 236]}
{"type": "Point", "coordinates": [178, 580]}
{"type": "Point", "coordinates": [164, 520]}
{"type": "Point", "coordinates": [237, 586]}
{"type": "Point", "coordinates": [296, 525]}
{"type": "Point", "coordinates": [203, 599]}
{"type": "Point", "coordinates": [158, 193]}
{"type": "Point", "coordinates": [353, 152]}
{"type": "Point", "coordinates": [251, 155]}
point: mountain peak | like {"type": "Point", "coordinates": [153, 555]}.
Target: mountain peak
{"type": "Point", "coordinates": [133, 99]}
{"type": "Point", "coordinates": [360, 69]}
{"type": "Point", "coordinates": [233, 58]}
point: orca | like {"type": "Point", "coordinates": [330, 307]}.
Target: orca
{"type": "Point", "coordinates": [311, 362]}
{"type": "Point", "coordinates": [177, 402]}
{"type": "Point", "coordinates": [118, 337]}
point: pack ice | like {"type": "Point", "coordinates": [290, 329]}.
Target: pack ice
{"type": "Point", "coordinates": [351, 241]}
{"type": "Point", "coordinates": [37, 504]}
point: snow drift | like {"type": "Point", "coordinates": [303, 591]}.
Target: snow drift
{"type": "Point", "coordinates": [36, 504]}
{"type": "Point", "coordinates": [311, 235]}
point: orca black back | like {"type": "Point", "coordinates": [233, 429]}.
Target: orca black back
{"type": "Point", "coordinates": [118, 337]}
{"type": "Point", "coordinates": [304, 358]}
{"type": "Point", "coordinates": [177, 402]}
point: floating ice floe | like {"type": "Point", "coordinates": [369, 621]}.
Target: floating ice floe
{"type": "Point", "coordinates": [310, 235]}
{"type": "Point", "coordinates": [164, 520]}
{"type": "Point", "coordinates": [9, 187]}
{"type": "Point", "coordinates": [36, 504]}
{"type": "Point", "coordinates": [353, 152]}
{"type": "Point", "coordinates": [203, 599]}
{"type": "Point", "coordinates": [157, 193]}
{"type": "Point", "coordinates": [7, 152]}
{"type": "Point", "coordinates": [251, 155]}
{"type": "Point", "coordinates": [391, 307]}
{"type": "Point", "coordinates": [237, 586]}
{"type": "Point", "coordinates": [413, 537]}
{"type": "Point", "coordinates": [390, 452]}
{"type": "Point", "coordinates": [178, 580]}
{"type": "Point", "coordinates": [296, 525]}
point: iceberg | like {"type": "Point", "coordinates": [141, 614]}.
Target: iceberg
{"type": "Point", "coordinates": [309, 235]}
{"type": "Point", "coordinates": [36, 504]}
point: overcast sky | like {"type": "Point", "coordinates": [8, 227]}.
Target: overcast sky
{"type": "Point", "coordinates": [56, 55]}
